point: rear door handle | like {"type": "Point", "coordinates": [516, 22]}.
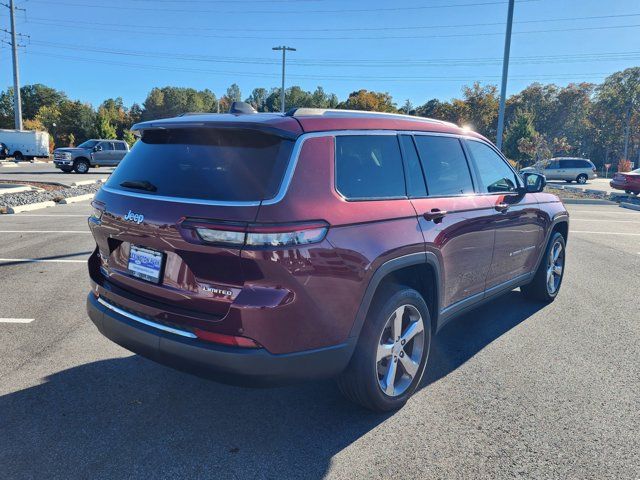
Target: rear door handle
{"type": "Point", "coordinates": [434, 215]}
{"type": "Point", "coordinates": [502, 207]}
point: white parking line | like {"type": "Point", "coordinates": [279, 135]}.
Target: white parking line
{"type": "Point", "coordinates": [40, 260]}
{"type": "Point", "coordinates": [16, 320]}
{"type": "Point", "coordinates": [44, 231]}
{"type": "Point", "coordinates": [605, 233]}
{"type": "Point", "coordinates": [607, 211]}
{"type": "Point", "coordinates": [600, 220]}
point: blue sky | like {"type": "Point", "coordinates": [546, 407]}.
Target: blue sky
{"type": "Point", "coordinates": [94, 49]}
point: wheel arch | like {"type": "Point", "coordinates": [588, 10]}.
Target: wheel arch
{"type": "Point", "coordinates": [420, 271]}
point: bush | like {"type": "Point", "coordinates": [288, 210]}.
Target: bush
{"type": "Point", "coordinates": [624, 165]}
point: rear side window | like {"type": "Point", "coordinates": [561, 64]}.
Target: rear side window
{"type": "Point", "coordinates": [369, 166]}
{"type": "Point", "coordinates": [205, 163]}
{"type": "Point", "coordinates": [120, 146]}
{"type": "Point", "coordinates": [495, 174]}
{"type": "Point", "coordinates": [445, 166]}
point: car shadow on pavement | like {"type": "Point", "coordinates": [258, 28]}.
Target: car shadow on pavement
{"type": "Point", "coordinates": [130, 418]}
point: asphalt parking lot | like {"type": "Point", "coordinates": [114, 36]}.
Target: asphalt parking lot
{"type": "Point", "coordinates": [47, 172]}
{"type": "Point", "coordinates": [513, 390]}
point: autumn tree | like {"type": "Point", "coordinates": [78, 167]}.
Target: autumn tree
{"type": "Point", "coordinates": [369, 100]}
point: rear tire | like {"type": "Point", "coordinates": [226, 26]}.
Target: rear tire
{"type": "Point", "coordinates": [394, 344]}
{"type": "Point", "coordinates": [548, 278]}
{"type": "Point", "coordinates": [18, 157]}
{"type": "Point", "coordinates": [582, 179]}
{"type": "Point", "coordinates": [81, 166]}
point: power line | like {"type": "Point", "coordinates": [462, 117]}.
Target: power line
{"type": "Point", "coordinates": [449, 78]}
{"type": "Point", "coordinates": [183, 34]}
{"type": "Point", "coordinates": [281, 12]}
{"type": "Point", "coordinates": [354, 29]}
{"type": "Point", "coordinates": [540, 59]}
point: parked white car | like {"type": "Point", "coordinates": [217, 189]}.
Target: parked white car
{"type": "Point", "coordinates": [25, 144]}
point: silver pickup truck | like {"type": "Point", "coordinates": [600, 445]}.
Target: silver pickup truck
{"type": "Point", "coordinates": [92, 153]}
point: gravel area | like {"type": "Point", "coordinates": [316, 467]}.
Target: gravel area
{"type": "Point", "coordinates": [25, 198]}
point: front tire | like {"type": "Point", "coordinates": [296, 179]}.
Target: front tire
{"type": "Point", "coordinates": [548, 278]}
{"type": "Point", "coordinates": [81, 166]}
{"type": "Point", "coordinates": [392, 352]}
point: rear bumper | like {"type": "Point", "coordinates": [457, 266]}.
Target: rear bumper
{"type": "Point", "coordinates": [241, 366]}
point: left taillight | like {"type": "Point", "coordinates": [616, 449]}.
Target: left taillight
{"type": "Point", "coordinates": [97, 209]}
{"type": "Point", "coordinates": [254, 235]}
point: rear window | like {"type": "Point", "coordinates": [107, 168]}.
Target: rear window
{"type": "Point", "coordinates": [205, 163]}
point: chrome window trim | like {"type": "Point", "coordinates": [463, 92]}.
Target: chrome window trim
{"type": "Point", "coordinates": [290, 170]}
{"type": "Point", "coordinates": [136, 318]}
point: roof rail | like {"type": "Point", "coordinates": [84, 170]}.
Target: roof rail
{"type": "Point", "coordinates": [334, 112]}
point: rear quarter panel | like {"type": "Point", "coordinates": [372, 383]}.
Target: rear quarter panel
{"type": "Point", "coordinates": [327, 280]}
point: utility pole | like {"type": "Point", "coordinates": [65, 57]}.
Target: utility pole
{"type": "Point", "coordinates": [284, 59]}
{"type": "Point", "coordinates": [505, 73]}
{"type": "Point", "coordinates": [17, 103]}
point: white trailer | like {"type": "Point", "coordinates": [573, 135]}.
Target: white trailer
{"type": "Point", "coordinates": [25, 144]}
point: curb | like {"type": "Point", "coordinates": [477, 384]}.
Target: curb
{"type": "Point", "coordinates": [9, 165]}
{"type": "Point", "coordinates": [630, 206]}
{"type": "Point", "coordinates": [79, 198]}
{"type": "Point", "coordinates": [86, 182]}
{"type": "Point", "coordinates": [31, 206]}
{"type": "Point", "coordinates": [16, 189]}
{"type": "Point", "coordinates": [587, 201]}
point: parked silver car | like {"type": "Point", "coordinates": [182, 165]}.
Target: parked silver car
{"type": "Point", "coordinates": [92, 153]}
{"type": "Point", "coordinates": [568, 169]}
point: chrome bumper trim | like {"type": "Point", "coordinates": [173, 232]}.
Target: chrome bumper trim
{"type": "Point", "coordinates": [144, 321]}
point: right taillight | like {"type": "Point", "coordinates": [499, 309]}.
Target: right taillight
{"type": "Point", "coordinates": [254, 235]}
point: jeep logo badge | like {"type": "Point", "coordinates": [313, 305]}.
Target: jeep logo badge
{"type": "Point", "coordinates": [133, 217]}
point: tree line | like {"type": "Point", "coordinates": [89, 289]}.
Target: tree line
{"type": "Point", "coordinates": [596, 121]}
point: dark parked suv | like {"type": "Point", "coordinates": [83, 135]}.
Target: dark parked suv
{"type": "Point", "coordinates": [269, 248]}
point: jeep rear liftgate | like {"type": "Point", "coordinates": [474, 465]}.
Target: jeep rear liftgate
{"type": "Point", "coordinates": [172, 219]}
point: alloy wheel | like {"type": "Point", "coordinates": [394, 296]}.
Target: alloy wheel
{"type": "Point", "coordinates": [400, 350]}
{"type": "Point", "coordinates": [555, 266]}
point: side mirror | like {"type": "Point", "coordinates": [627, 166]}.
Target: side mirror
{"type": "Point", "coordinates": [534, 182]}
{"type": "Point", "coordinates": [97, 148]}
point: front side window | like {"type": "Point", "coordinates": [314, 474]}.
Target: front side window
{"type": "Point", "coordinates": [495, 174]}
{"type": "Point", "coordinates": [369, 166]}
{"type": "Point", "coordinates": [106, 146]}
{"type": "Point", "coordinates": [445, 165]}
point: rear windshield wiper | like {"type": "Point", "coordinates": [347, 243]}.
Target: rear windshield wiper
{"type": "Point", "coordinates": [140, 185]}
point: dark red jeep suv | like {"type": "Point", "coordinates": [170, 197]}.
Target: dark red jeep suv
{"type": "Point", "coordinates": [268, 248]}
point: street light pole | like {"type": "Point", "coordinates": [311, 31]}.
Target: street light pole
{"type": "Point", "coordinates": [284, 59]}
{"type": "Point", "coordinates": [505, 72]}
